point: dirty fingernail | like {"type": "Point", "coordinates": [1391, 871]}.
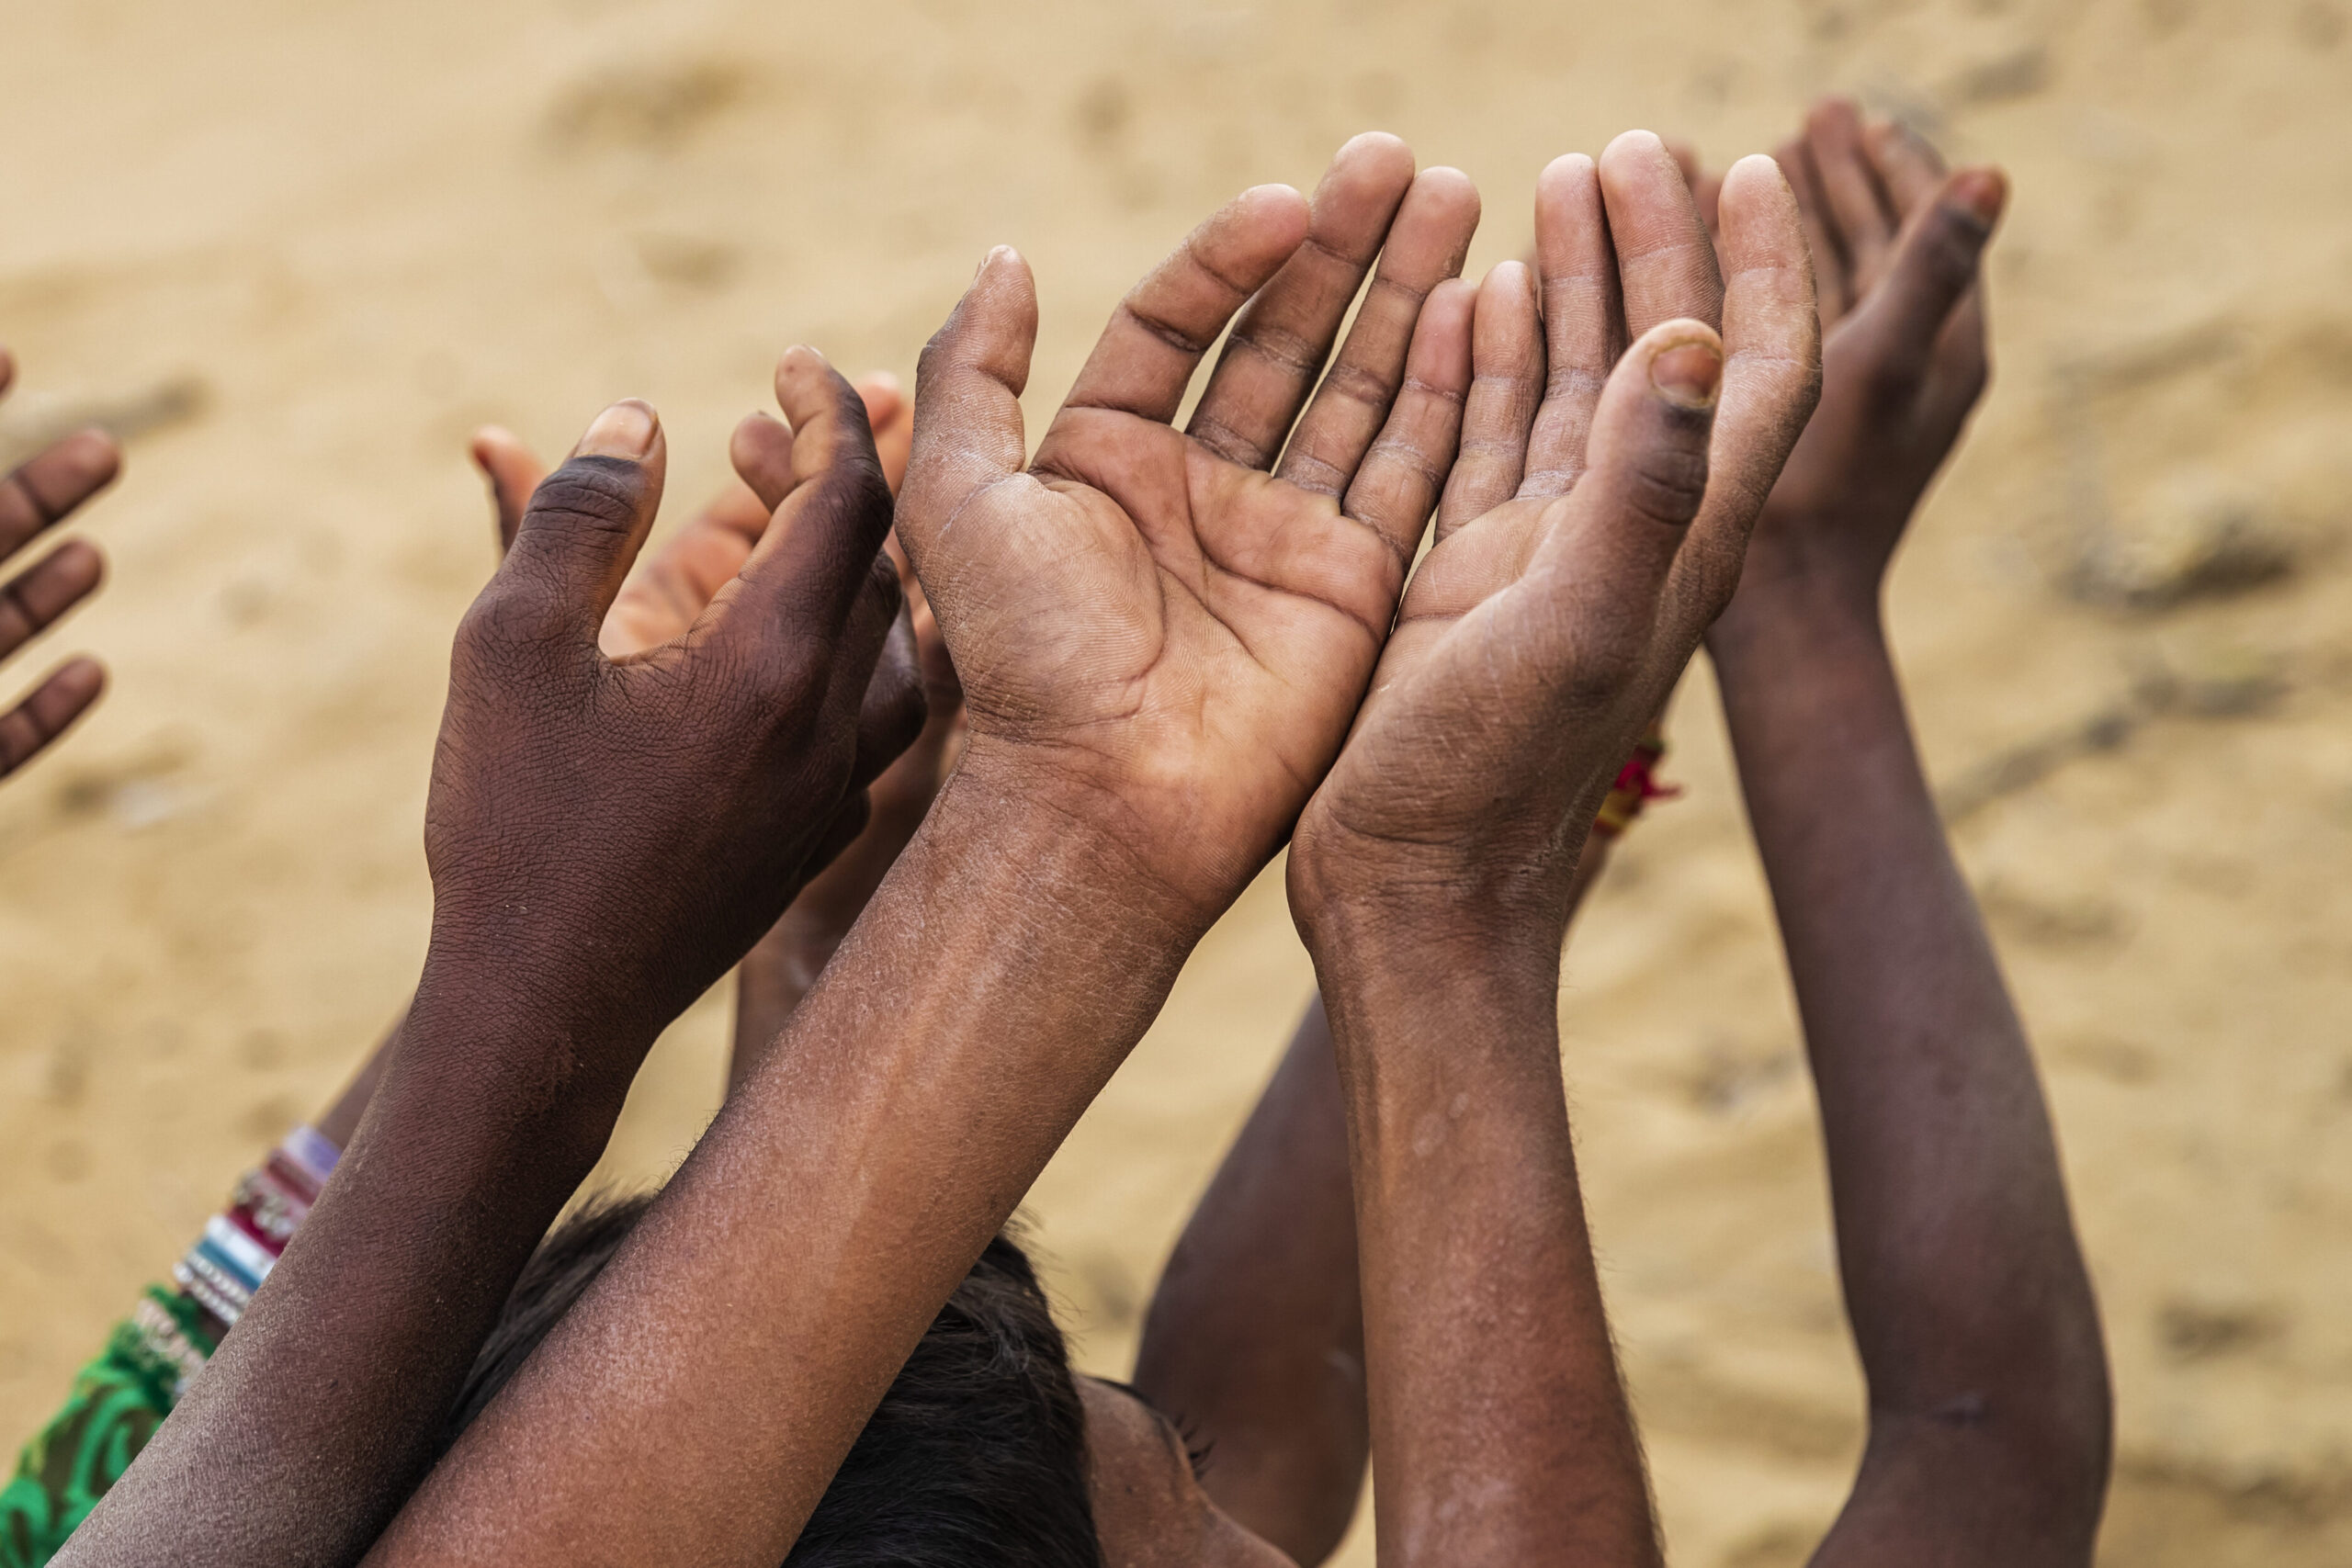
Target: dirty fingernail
{"type": "Point", "coordinates": [1687, 373]}
{"type": "Point", "coordinates": [625, 430]}
{"type": "Point", "coordinates": [1982, 192]}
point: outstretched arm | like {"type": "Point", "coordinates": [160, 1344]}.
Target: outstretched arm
{"type": "Point", "coordinates": [1160, 642]}
{"type": "Point", "coordinates": [1576, 562]}
{"type": "Point", "coordinates": [1254, 1342]}
{"type": "Point", "coordinates": [567, 785]}
{"type": "Point", "coordinates": [1971, 1305]}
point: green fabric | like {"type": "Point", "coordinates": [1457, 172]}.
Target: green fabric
{"type": "Point", "coordinates": [117, 1403]}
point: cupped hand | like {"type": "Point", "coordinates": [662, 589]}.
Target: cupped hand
{"type": "Point", "coordinates": [1896, 243]}
{"type": "Point", "coordinates": [1592, 528]}
{"type": "Point", "coordinates": [610, 831]}
{"type": "Point", "coordinates": [41, 492]}
{"type": "Point", "coordinates": [1167, 630]}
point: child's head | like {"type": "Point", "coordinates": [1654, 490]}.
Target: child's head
{"type": "Point", "coordinates": [976, 1456]}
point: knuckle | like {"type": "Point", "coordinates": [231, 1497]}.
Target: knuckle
{"type": "Point", "coordinates": [1667, 483]}
{"type": "Point", "coordinates": [590, 494]}
{"type": "Point", "coordinates": [503, 614]}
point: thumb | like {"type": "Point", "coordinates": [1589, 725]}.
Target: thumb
{"type": "Point", "coordinates": [1935, 266]}
{"type": "Point", "coordinates": [1626, 520]}
{"type": "Point", "coordinates": [968, 432]}
{"type": "Point", "coordinates": [585, 521]}
{"type": "Point", "coordinates": [514, 471]}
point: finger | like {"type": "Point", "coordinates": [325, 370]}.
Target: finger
{"type": "Point", "coordinates": [761, 450]}
{"type": "Point", "coordinates": [514, 471]}
{"type": "Point", "coordinates": [37, 596]}
{"type": "Point", "coordinates": [892, 418]}
{"type": "Point", "coordinates": [1145, 357]}
{"type": "Point", "coordinates": [1629, 517]}
{"type": "Point", "coordinates": [1933, 269]}
{"type": "Point", "coordinates": [817, 555]}
{"type": "Point", "coordinates": [1399, 480]}
{"type": "Point", "coordinates": [968, 427]}
{"type": "Point", "coordinates": [53, 483]}
{"type": "Point", "coordinates": [1820, 239]}
{"type": "Point", "coordinates": [53, 706]}
{"type": "Point", "coordinates": [1584, 320]}
{"type": "Point", "coordinates": [894, 706]}
{"type": "Point", "coordinates": [1908, 166]}
{"type": "Point", "coordinates": [1505, 385]}
{"type": "Point", "coordinates": [1771, 376]}
{"type": "Point", "coordinates": [586, 520]}
{"type": "Point", "coordinates": [1351, 407]}
{"type": "Point", "coordinates": [1863, 217]}
{"type": "Point", "coordinates": [1283, 336]}
{"type": "Point", "coordinates": [8, 371]}
{"type": "Point", "coordinates": [1665, 265]}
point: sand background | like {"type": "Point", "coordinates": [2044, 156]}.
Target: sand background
{"type": "Point", "coordinates": [300, 249]}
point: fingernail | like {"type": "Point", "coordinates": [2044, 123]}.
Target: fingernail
{"type": "Point", "coordinates": [625, 430]}
{"type": "Point", "coordinates": [1984, 192]}
{"type": "Point", "coordinates": [1689, 374]}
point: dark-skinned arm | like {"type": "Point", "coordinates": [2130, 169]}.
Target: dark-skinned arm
{"type": "Point", "coordinates": [1971, 1305]}
{"type": "Point", "coordinates": [605, 837]}
{"type": "Point", "coordinates": [1254, 1340]}
{"type": "Point", "coordinates": [1141, 732]}
{"type": "Point", "coordinates": [1432, 873]}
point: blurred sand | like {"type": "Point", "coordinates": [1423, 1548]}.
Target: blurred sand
{"type": "Point", "coordinates": [308, 247]}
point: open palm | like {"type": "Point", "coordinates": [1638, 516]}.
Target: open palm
{"type": "Point", "coordinates": [1182, 621]}
{"type": "Point", "coordinates": [1592, 528]}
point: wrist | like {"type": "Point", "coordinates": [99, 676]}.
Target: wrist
{"type": "Point", "coordinates": [496, 1037]}
{"type": "Point", "coordinates": [1455, 901]}
{"type": "Point", "coordinates": [1091, 829]}
{"type": "Point", "coordinates": [1412, 940]}
{"type": "Point", "coordinates": [1770, 628]}
{"type": "Point", "coordinates": [1783, 579]}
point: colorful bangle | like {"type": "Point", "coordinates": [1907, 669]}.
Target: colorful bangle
{"type": "Point", "coordinates": [1635, 787]}
{"type": "Point", "coordinates": [242, 1243]}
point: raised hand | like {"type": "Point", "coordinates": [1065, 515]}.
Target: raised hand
{"type": "Point", "coordinates": [1591, 530]}
{"type": "Point", "coordinates": [1176, 625]}
{"type": "Point", "coordinates": [40, 493]}
{"type": "Point", "coordinates": [670, 589]}
{"type": "Point", "coordinates": [1895, 241]}
{"type": "Point", "coordinates": [752, 726]}
{"type": "Point", "coordinates": [1964, 1280]}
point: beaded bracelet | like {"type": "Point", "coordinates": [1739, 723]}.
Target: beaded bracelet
{"type": "Point", "coordinates": [242, 1244]}
{"type": "Point", "coordinates": [1635, 787]}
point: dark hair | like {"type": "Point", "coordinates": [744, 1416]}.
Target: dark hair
{"type": "Point", "coordinates": [974, 1458]}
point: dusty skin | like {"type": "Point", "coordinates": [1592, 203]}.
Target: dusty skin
{"type": "Point", "coordinates": [294, 259]}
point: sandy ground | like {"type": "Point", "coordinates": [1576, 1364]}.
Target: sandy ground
{"type": "Point", "coordinates": [303, 249]}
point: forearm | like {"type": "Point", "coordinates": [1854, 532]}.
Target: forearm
{"type": "Point", "coordinates": [1255, 1339]}
{"type": "Point", "coordinates": [340, 1122]}
{"type": "Point", "coordinates": [314, 1419]}
{"type": "Point", "coordinates": [736, 1345]}
{"type": "Point", "coordinates": [1255, 1336]}
{"type": "Point", "coordinates": [1971, 1304]}
{"type": "Point", "coordinates": [1500, 1431]}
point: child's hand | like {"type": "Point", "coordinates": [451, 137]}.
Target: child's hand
{"type": "Point", "coordinates": [626, 826]}
{"type": "Point", "coordinates": [44, 491]}
{"type": "Point", "coordinates": [1163, 633]}
{"type": "Point", "coordinates": [1546, 625]}
{"type": "Point", "coordinates": [1896, 243]}
{"type": "Point", "coordinates": [673, 584]}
